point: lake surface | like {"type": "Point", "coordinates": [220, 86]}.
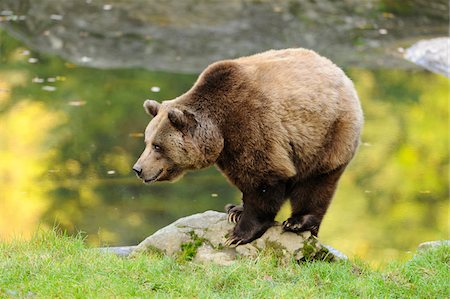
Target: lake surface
{"type": "Point", "coordinates": [69, 136]}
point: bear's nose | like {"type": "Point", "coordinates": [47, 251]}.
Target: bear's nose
{"type": "Point", "coordinates": [137, 169]}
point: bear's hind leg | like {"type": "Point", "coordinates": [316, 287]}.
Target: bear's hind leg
{"type": "Point", "coordinates": [310, 199]}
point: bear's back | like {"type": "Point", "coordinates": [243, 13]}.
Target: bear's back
{"type": "Point", "coordinates": [310, 97]}
{"type": "Point", "coordinates": [297, 78]}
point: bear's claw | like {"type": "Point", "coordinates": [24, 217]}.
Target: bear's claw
{"type": "Point", "coordinates": [291, 226]}
{"type": "Point", "coordinates": [233, 242]}
{"type": "Point", "coordinates": [234, 217]}
{"type": "Point", "coordinates": [234, 213]}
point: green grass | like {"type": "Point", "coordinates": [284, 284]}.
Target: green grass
{"type": "Point", "coordinates": [55, 265]}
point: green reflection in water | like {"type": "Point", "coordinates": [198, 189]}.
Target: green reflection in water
{"type": "Point", "coordinates": [69, 136]}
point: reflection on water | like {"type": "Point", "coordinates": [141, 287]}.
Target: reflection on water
{"type": "Point", "coordinates": [69, 136]}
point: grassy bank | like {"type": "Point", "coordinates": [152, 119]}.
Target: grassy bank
{"type": "Point", "coordinates": [51, 265]}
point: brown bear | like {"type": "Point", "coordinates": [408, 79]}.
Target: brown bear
{"type": "Point", "coordinates": [280, 125]}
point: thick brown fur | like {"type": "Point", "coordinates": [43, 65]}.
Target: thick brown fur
{"type": "Point", "coordinates": [280, 125]}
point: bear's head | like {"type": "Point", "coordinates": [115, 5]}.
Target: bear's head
{"type": "Point", "coordinates": [175, 142]}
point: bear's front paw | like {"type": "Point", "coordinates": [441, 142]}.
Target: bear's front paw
{"type": "Point", "coordinates": [234, 241]}
{"type": "Point", "coordinates": [247, 230]}
{"type": "Point", "coordinates": [234, 212]}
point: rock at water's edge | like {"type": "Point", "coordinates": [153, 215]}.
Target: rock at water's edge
{"type": "Point", "coordinates": [119, 250]}
{"type": "Point", "coordinates": [432, 54]}
{"type": "Point", "coordinates": [433, 244]}
{"type": "Point", "coordinates": [206, 233]}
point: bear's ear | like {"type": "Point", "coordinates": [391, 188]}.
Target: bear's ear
{"type": "Point", "coordinates": [151, 107]}
{"type": "Point", "coordinates": [183, 120]}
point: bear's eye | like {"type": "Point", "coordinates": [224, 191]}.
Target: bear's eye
{"type": "Point", "coordinates": [156, 147]}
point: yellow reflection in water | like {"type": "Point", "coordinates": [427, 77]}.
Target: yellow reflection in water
{"type": "Point", "coordinates": [24, 130]}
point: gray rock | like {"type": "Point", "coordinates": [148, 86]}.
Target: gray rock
{"type": "Point", "coordinates": [432, 54]}
{"type": "Point", "coordinates": [206, 233]}
{"type": "Point", "coordinates": [120, 250]}
{"type": "Point", "coordinates": [207, 254]}
{"type": "Point", "coordinates": [337, 254]}
{"type": "Point", "coordinates": [432, 244]}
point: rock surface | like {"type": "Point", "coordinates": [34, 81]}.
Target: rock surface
{"type": "Point", "coordinates": [432, 244]}
{"type": "Point", "coordinates": [119, 250]}
{"type": "Point", "coordinates": [432, 54]}
{"type": "Point", "coordinates": [204, 235]}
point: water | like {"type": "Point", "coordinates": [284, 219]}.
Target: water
{"type": "Point", "coordinates": [69, 136]}
{"type": "Point", "coordinates": [184, 36]}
